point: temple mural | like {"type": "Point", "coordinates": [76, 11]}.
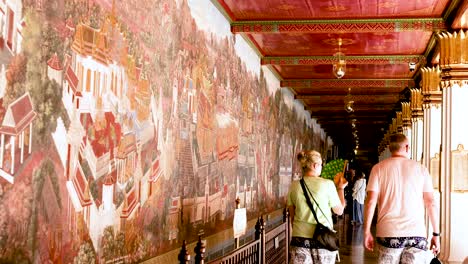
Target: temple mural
{"type": "Point", "coordinates": [125, 128]}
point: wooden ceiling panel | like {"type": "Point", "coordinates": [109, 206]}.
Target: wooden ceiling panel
{"type": "Point", "coordinates": [358, 99]}
{"type": "Point", "coordinates": [305, 92]}
{"type": "Point", "coordinates": [313, 9]}
{"type": "Point", "coordinates": [358, 71]}
{"type": "Point", "coordinates": [345, 83]}
{"type": "Point", "coordinates": [371, 43]}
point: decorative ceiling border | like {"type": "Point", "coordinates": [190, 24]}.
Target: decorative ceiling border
{"type": "Point", "coordinates": [317, 60]}
{"type": "Point", "coordinates": [340, 83]}
{"type": "Point", "coordinates": [340, 26]}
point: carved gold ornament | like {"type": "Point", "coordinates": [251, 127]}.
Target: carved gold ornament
{"type": "Point", "coordinates": [453, 48]}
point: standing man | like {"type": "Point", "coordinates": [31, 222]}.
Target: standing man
{"type": "Point", "coordinates": [401, 188]}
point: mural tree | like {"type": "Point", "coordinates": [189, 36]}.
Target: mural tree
{"type": "Point", "coordinates": [108, 244]}
{"type": "Point", "coordinates": [39, 177]}
{"type": "Point", "coordinates": [45, 94]}
{"type": "Point", "coordinates": [85, 255]}
{"type": "Point", "coordinates": [15, 76]}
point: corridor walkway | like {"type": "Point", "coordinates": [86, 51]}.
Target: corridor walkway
{"type": "Point", "coordinates": [351, 243]}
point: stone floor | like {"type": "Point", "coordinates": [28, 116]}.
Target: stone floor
{"type": "Point", "coordinates": [351, 243]}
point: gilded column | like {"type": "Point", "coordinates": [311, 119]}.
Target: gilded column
{"type": "Point", "coordinates": [383, 147]}
{"type": "Point", "coordinates": [432, 119]}
{"type": "Point", "coordinates": [384, 151]}
{"type": "Point", "coordinates": [406, 121]}
{"type": "Point", "coordinates": [454, 157]}
{"type": "Point", "coordinates": [416, 124]}
{"type": "Point", "coordinates": [399, 121]}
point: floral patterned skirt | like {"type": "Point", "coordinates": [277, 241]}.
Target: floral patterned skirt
{"type": "Point", "coordinates": [303, 252]}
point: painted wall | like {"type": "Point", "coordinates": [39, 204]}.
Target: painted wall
{"type": "Point", "coordinates": [127, 126]}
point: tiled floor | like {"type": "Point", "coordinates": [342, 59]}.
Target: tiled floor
{"type": "Point", "coordinates": [351, 244]}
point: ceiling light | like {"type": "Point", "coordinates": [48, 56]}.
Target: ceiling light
{"type": "Point", "coordinates": [339, 64]}
{"type": "Point", "coordinates": [348, 101]}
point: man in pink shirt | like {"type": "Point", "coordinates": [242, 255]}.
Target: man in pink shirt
{"type": "Point", "coordinates": [401, 188]}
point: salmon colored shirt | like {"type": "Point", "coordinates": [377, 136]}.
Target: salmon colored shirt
{"type": "Point", "coordinates": [400, 183]}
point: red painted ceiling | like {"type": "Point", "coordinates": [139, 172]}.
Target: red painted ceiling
{"type": "Point", "coordinates": [356, 71]}
{"type": "Point", "coordinates": [297, 39]}
{"type": "Point", "coordinates": [377, 43]}
{"type": "Point", "coordinates": [326, 9]}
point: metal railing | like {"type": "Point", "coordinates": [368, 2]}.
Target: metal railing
{"type": "Point", "coordinates": [267, 247]}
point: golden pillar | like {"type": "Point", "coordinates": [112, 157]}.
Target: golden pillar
{"type": "Point", "coordinates": [416, 124]}
{"type": "Point", "coordinates": [454, 157]}
{"type": "Point", "coordinates": [399, 121]}
{"type": "Point", "coordinates": [406, 121]}
{"type": "Point", "coordinates": [432, 119]}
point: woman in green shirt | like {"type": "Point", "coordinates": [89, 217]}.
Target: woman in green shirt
{"type": "Point", "coordinates": [328, 196]}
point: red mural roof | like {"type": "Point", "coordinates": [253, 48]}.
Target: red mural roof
{"type": "Point", "coordinates": [19, 114]}
{"type": "Point", "coordinates": [72, 80]}
{"type": "Point", "coordinates": [54, 63]}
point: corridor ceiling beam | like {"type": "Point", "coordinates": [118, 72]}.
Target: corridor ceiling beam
{"type": "Point", "coordinates": [363, 98]}
{"type": "Point", "coordinates": [340, 26]}
{"type": "Point", "coordinates": [318, 60]}
{"type": "Point", "coordinates": [340, 83]}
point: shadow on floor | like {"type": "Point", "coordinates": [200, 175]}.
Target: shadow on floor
{"type": "Point", "coordinates": [351, 243]}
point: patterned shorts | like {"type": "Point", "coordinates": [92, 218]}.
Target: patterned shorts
{"type": "Point", "coordinates": [405, 250]}
{"type": "Point", "coordinates": [403, 242]}
{"type": "Point", "coordinates": [303, 252]}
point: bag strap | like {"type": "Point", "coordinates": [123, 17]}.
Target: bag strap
{"type": "Point", "coordinates": [306, 191]}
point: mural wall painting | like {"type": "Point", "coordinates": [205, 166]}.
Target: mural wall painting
{"type": "Point", "coordinates": [125, 129]}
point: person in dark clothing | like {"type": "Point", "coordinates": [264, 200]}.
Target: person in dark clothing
{"type": "Point", "coordinates": [350, 175]}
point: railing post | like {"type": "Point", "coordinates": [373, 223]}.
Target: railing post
{"type": "Point", "coordinates": [184, 256]}
{"type": "Point", "coordinates": [236, 240]}
{"type": "Point", "coordinates": [286, 239]}
{"type": "Point", "coordinates": [260, 234]}
{"type": "Point", "coordinates": [200, 251]}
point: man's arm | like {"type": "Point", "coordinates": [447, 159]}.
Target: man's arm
{"type": "Point", "coordinates": [369, 209]}
{"type": "Point", "coordinates": [432, 209]}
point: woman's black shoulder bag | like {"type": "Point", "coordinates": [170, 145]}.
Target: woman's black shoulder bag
{"type": "Point", "coordinates": [323, 236]}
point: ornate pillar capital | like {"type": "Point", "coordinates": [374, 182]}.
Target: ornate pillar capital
{"type": "Point", "coordinates": [453, 49]}
{"type": "Point", "coordinates": [453, 58]}
{"type": "Point", "coordinates": [416, 104]}
{"type": "Point", "coordinates": [431, 86]}
{"type": "Point", "coordinates": [406, 114]}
